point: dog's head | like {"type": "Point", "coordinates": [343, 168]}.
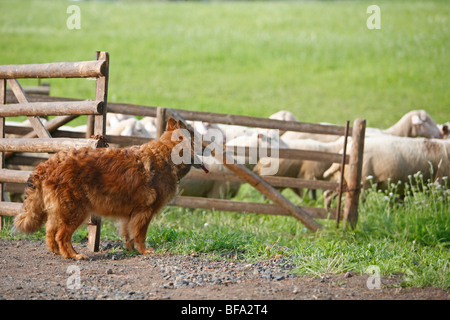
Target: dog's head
{"type": "Point", "coordinates": [186, 145]}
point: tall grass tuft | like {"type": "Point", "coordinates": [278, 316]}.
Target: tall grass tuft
{"type": "Point", "coordinates": [419, 214]}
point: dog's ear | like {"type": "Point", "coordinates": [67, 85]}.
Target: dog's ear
{"type": "Point", "coordinates": [171, 125]}
{"type": "Point", "coordinates": [181, 124]}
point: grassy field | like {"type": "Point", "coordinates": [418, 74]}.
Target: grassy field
{"type": "Point", "coordinates": [316, 59]}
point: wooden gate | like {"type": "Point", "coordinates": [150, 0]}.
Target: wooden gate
{"type": "Point", "coordinates": [65, 112]}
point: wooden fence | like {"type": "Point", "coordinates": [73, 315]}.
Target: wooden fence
{"type": "Point", "coordinates": [96, 109]}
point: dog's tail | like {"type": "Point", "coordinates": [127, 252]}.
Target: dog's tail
{"type": "Point", "coordinates": [33, 214]}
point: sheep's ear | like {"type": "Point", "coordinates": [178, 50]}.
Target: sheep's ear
{"type": "Point", "coordinates": [171, 125]}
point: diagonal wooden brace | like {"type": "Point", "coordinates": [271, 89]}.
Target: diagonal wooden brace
{"type": "Point", "coordinates": [256, 181]}
{"type": "Point", "coordinates": [35, 121]}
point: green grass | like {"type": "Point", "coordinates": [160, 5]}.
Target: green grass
{"type": "Point", "coordinates": [316, 59]}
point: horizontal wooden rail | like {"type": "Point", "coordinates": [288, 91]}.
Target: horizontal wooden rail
{"type": "Point", "coordinates": [274, 181]}
{"type": "Point", "coordinates": [14, 176]}
{"type": "Point", "coordinates": [311, 155]}
{"type": "Point", "coordinates": [231, 119]}
{"type": "Point", "coordinates": [45, 145]}
{"type": "Point", "coordinates": [52, 108]}
{"type": "Point", "coordinates": [294, 154]}
{"type": "Point", "coordinates": [288, 182]}
{"type": "Point", "coordinates": [83, 69]}
{"type": "Point", "coordinates": [243, 206]}
{"type": "Point", "coordinates": [261, 122]}
{"type": "Point", "coordinates": [150, 111]}
{"type": "Point", "coordinates": [127, 141]}
{"type": "Point", "coordinates": [10, 209]}
{"type": "Point", "coordinates": [111, 139]}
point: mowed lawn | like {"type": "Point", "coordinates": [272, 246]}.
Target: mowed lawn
{"type": "Point", "coordinates": [316, 59]}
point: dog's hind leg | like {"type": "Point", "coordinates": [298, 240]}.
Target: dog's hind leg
{"type": "Point", "coordinates": [138, 229]}
{"type": "Point", "coordinates": [66, 228]}
{"type": "Point", "coordinates": [64, 239]}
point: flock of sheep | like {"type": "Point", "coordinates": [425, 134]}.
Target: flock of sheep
{"type": "Point", "coordinates": [415, 143]}
{"type": "Point", "coordinates": [390, 155]}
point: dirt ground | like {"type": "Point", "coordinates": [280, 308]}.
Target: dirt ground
{"type": "Point", "coordinates": [29, 271]}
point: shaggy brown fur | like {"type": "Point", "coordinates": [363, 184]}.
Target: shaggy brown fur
{"type": "Point", "coordinates": [129, 184]}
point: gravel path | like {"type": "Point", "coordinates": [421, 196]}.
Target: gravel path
{"type": "Point", "coordinates": [29, 271]}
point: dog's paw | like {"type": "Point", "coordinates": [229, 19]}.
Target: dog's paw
{"type": "Point", "coordinates": [129, 245]}
{"type": "Point", "coordinates": [148, 251]}
{"type": "Point", "coordinates": [80, 256]}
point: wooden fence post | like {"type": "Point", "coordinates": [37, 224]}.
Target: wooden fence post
{"type": "Point", "coordinates": [101, 94]}
{"type": "Point", "coordinates": [341, 179]}
{"type": "Point", "coordinates": [160, 121]}
{"type": "Point", "coordinates": [354, 173]}
{"type": "Point", "coordinates": [2, 135]}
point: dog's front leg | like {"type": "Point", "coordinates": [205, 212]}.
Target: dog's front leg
{"type": "Point", "coordinates": [125, 232]}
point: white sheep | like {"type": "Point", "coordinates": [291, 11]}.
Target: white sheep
{"type": "Point", "coordinates": [232, 132]}
{"type": "Point", "coordinates": [113, 119]}
{"type": "Point", "coordinates": [298, 168]}
{"type": "Point", "coordinates": [389, 159]}
{"type": "Point", "coordinates": [257, 142]}
{"type": "Point", "coordinates": [283, 115]}
{"type": "Point", "coordinates": [149, 124]}
{"type": "Point", "coordinates": [128, 127]}
{"type": "Point", "coordinates": [416, 123]}
{"type": "Point", "coordinates": [209, 188]}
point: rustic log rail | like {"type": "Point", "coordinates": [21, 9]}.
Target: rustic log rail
{"type": "Point", "coordinates": [52, 108]}
{"type": "Point", "coordinates": [83, 69]}
{"type": "Point", "coordinates": [46, 145]}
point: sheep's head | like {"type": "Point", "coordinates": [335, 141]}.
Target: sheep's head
{"type": "Point", "coordinates": [422, 125]}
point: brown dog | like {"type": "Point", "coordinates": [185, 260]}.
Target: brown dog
{"type": "Point", "coordinates": [129, 184]}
